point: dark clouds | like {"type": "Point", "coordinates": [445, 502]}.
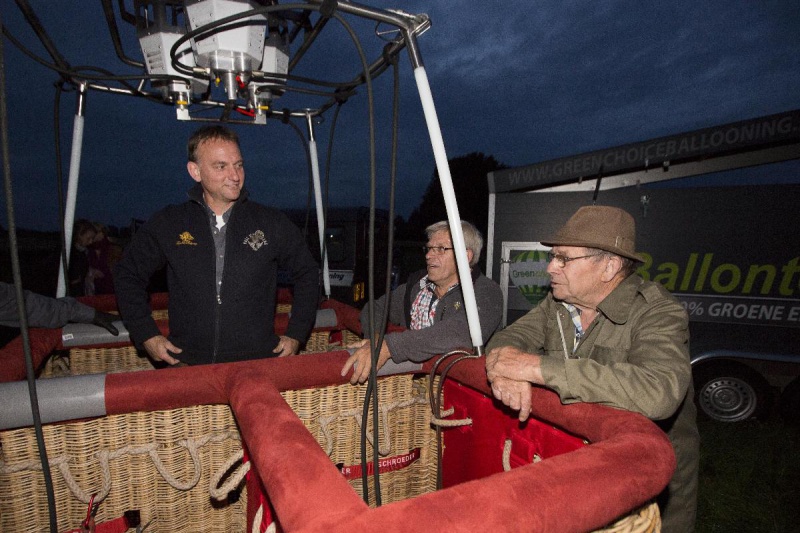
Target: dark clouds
{"type": "Point", "coordinates": [523, 81]}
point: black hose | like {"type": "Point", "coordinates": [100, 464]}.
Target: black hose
{"type": "Point", "coordinates": [23, 320]}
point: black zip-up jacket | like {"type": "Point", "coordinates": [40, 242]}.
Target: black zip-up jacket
{"type": "Point", "coordinates": [240, 325]}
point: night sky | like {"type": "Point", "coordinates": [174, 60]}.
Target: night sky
{"type": "Point", "coordinates": [523, 81]}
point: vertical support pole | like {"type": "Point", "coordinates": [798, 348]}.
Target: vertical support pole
{"type": "Point", "coordinates": [323, 251]}
{"type": "Point", "coordinates": [490, 235]}
{"type": "Point", "coordinates": [72, 188]}
{"type": "Point", "coordinates": [450, 203]}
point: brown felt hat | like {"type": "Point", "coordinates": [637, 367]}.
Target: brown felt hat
{"type": "Point", "coordinates": [599, 226]}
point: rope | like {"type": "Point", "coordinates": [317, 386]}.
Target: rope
{"type": "Point", "coordinates": [507, 456]}
{"type": "Point", "coordinates": [450, 423]}
{"type": "Point", "coordinates": [236, 477]}
{"type": "Point", "coordinates": [271, 528]}
{"type": "Point", "coordinates": [447, 412]}
{"type": "Point", "coordinates": [257, 520]}
{"type": "Point", "coordinates": [173, 481]}
{"type": "Point", "coordinates": [326, 421]}
{"type": "Point", "coordinates": [104, 457]}
{"type": "Point", "coordinates": [441, 422]}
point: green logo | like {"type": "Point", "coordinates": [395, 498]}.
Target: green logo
{"type": "Point", "coordinates": [528, 273]}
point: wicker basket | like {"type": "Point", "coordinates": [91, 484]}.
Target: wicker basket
{"type": "Point", "coordinates": [647, 519]}
{"type": "Point", "coordinates": [79, 453]}
{"type": "Point", "coordinates": [128, 444]}
{"type": "Point", "coordinates": [81, 361]}
{"type": "Point", "coordinates": [333, 414]}
{"type": "Point", "coordinates": [77, 448]}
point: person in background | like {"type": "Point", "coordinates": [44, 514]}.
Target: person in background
{"type": "Point", "coordinates": [222, 252]}
{"type": "Point", "coordinates": [605, 335]}
{"type": "Point", "coordinates": [83, 235]}
{"type": "Point", "coordinates": [430, 304]}
{"type": "Point", "coordinates": [100, 261]}
{"type": "Point", "coordinates": [45, 312]}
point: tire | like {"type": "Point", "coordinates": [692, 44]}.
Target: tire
{"type": "Point", "coordinates": [727, 391]}
{"type": "Point", "coordinates": [790, 403]}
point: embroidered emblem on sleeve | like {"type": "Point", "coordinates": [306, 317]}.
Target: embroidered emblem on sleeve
{"type": "Point", "coordinates": [256, 240]}
{"type": "Point", "coordinates": [186, 238]}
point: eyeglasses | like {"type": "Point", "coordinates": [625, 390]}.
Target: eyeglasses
{"type": "Point", "coordinates": [562, 260]}
{"type": "Point", "coordinates": [438, 250]}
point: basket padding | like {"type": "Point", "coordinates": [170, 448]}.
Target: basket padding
{"type": "Point", "coordinates": [90, 335]}
{"type": "Point", "coordinates": [59, 399]}
{"type": "Point", "coordinates": [629, 462]}
{"type": "Point", "coordinates": [12, 356]}
{"type": "Point", "coordinates": [301, 481]}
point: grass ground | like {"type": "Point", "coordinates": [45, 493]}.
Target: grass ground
{"type": "Point", "coordinates": [749, 477]}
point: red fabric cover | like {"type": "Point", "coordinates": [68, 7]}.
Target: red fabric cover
{"type": "Point", "coordinates": [629, 462]}
{"type": "Point", "coordinates": [172, 388]}
{"type": "Point", "coordinates": [299, 477]}
{"type": "Point", "coordinates": [348, 317]}
{"type": "Point", "coordinates": [45, 341]}
{"type": "Point", "coordinates": [256, 496]}
{"type": "Point", "coordinates": [12, 356]}
{"type": "Point", "coordinates": [488, 432]}
{"type": "Point", "coordinates": [282, 324]}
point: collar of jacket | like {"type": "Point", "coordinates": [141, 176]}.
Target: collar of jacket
{"type": "Point", "coordinates": [195, 194]}
{"type": "Point", "coordinates": [617, 305]}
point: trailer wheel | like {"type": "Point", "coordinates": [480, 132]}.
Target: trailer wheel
{"type": "Point", "coordinates": [731, 392]}
{"type": "Point", "coordinates": [790, 402]}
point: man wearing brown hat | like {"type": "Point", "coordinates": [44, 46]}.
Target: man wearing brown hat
{"type": "Point", "coordinates": [605, 335]}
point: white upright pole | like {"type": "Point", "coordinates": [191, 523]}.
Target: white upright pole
{"type": "Point", "coordinates": [72, 188]}
{"type": "Point", "coordinates": [312, 149]}
{"type": "Point", "coordinates": [450, 203]}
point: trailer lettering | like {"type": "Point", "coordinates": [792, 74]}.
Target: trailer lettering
{"type": "Point", "coordinates": [656, 152]}
{"type": "Point", "coordinates": [542, 274]}
{"type": "Point", "coordinates": [701, 277]}
{"type": "Point", "coordinates": [747, 311]}
{"type": "Point", "coordinates": [700, 274]}
{"type": "Point", "coordinates": [769, 272]}
{"type": "Point", "coordinates": [789, 270]}
{"type": "Point", "coordinates": [717, 283]}
{"type": "Point", "coordinates": [687, 275]}
{"type": "Point", "coordinates": [794, 314]}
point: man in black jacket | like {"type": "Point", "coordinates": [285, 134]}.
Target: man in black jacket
{"type": "Point", "coordinates": [222, 252]}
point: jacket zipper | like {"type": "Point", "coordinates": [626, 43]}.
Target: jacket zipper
{"type": "Point", "coordinates": [217, 313]}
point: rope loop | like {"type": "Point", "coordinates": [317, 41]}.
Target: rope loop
{"type": "Point", "coordinates": [236, 476]}
{"type": "Point", "coordinates": [507, 456]}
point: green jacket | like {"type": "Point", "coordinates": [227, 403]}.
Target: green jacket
{"type": "Point", "coordinates": [634, 356]}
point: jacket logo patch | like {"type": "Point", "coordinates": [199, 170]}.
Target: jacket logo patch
{"type": "Point", "coordinates": [256, 240]}
{"type": "Point", "coordinates": [186, 238]}
{"type": "Point", "coordinates": [457, 305]}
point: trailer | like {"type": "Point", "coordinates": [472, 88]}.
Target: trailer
{"type": "Point", "coordinates": [716, 215]}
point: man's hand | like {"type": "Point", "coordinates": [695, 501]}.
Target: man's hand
{"type": "Point", "coordinates": [361, 361]}
{"type": "Point", "coordinates": [514, 394]}
{"type": "Point", "coordinates": [106, 320]}
{"type": "Point", "coordinates": [161, 349]}
{"type": "Point", "coordinates": [286, 346]}
{"type": "Point", "coordinates": [512, 363]}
